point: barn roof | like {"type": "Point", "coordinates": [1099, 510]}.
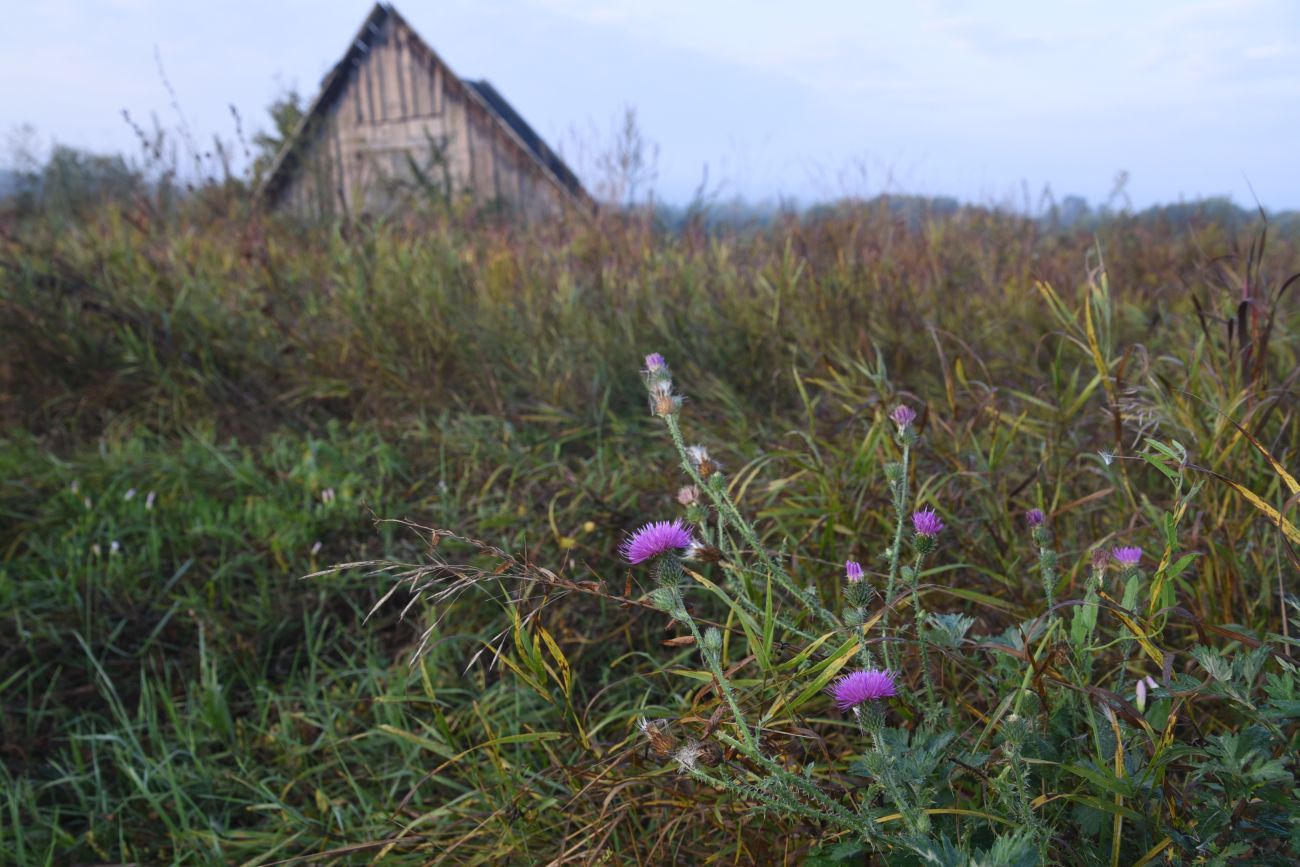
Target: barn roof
{"type": "Point", "coordinates": [335, 83]}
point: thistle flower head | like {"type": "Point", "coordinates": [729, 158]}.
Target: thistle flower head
{"type": "Point", "coordinates": [1034, 518]}
{"type": "Point", "coordinates": [861, 687]}
{"type": "Point", "coordinates": [704, 464]}
{"type": "Point", "coordinates": [657, 733]}
{"type": "Point", "coordinates": [688, 756]}
{"type": "Point", "coordinates": [926, 522]}
{"type": "Point", "coordinates": [1100, 559]}
{"type": "Point", "coordinates": [853, 571]}
{"type": "Point", "coordinates": [1127, 557]}
{"type": "Point", "coordinates": [655, 539]}
{"type": "Point", "coordinates": [654, 362]}
{"type": "Point", "coordinates": [903, 416]}
{"type": "Point", "coordinates": [662, 400]}
{"type": "Point", "coordinates": [688, 496]}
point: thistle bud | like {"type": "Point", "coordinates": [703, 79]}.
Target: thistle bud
{"type": "Point", "coordinates": [859, 594]}
{"type": "Point", "coordinates": [894, 473]}
{"type": "Point", "coordinates": [669, 601]}
{"type": "Point", "coordinates": [712, 643]}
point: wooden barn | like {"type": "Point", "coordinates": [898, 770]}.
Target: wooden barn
{"type": "Point", "coordinates": [393, 124]}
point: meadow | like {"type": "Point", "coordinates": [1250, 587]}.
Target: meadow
{"type": "Point", "coordinates": [311, 540]}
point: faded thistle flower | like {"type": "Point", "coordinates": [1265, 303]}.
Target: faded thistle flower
{"type": "Point", "coordinates": [656, 539]}
{"type": "Point", "coordinates": [654, 363]}
{"type": "Point", "coordinates": [1128, 557]}
{"type": "Point", "coordinates": [862, 687]}
{"type": "Point", "coordinates": [853, 571]}
{"type": "Point", "coordinates": [1100, 559]}
{"type": "Point", "coordinates": [689, 495]}
{"type": "Point", "coordinates": [703, 553]}
{"type": "Point", "coordinates": [704, 464]}
{"type": "Point", "coordinates": [903, 416]}
{"type": "Point", "coordinates": [926, 522]}
{"type": "Point", "coordinates": [662, 400]}
{"type": "Point", "coordinates": [656, 732]}
{"type": "Point", "coordinates": [1034, 518]}
{"type": "Point", "coordinates": [688, 756]}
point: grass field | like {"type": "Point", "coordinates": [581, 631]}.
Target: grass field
{"type": "Point", "coordinates": [202, 409]}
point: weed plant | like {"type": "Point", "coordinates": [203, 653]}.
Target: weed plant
{"type": "Point", "coordinates": [201, 410]}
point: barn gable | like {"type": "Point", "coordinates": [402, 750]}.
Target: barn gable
{"type": "Point", "coordinates": [392, 122]}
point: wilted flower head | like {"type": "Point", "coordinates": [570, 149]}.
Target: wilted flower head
{"type": "Point", "coordinates": [1100, 559]}
{"type": "Point", "coordinates": [853, 571]}
{"type": "Point", "coordinates": [903, 416]}
{"type": "Point", "coordinates": [926, 522]}
{"type": "Point", "coordinates": [654, 362]}
{"type": "Point", "coordinates": [662, 400]}
{"type": "Point", "coordinates": [704, 464]}
{"type": "Point", "coordinates": [656, 732]}
{"type": "Point", "coordinates": [703, 553]}
{"type": "Point", "coordinates": [1034, 518]}
{"type": "Point", "coordinates": [655, 539]}
{"type": "Point", "coordinates": [860, 687]}
{"type": "Point", "coordinates": [1127, 557]}
{"type": "Point", "coordinates": [688, 496]}
{"type": "Point", "coordinates": [688, 756]}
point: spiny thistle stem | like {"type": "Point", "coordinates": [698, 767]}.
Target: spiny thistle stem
{"type": "Point", "coordinates": [931, 698]}
{"type": "Point", "coordinates": [715, 665]}
{"type": "Point", "coordinates": [894, 554]}
{"type": "Point", "coordinates": [728, 510]}
{"type": "Point", "coordinates": [796, 781]}
{"type": "Point", "coordinates": [873, 722]}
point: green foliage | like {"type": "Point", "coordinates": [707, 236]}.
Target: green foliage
{"type": "Point", "coordinates": [218, 395]}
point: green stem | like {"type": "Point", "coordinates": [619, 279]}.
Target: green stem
{"type": "Point", "coordinates": [728, 510]}
{"type": "Point", "coordinates": [926, 678]}
{"type": "Point", "coordinates": [895, 551]}
{"type": "Point", "coordinates": [751, 745]}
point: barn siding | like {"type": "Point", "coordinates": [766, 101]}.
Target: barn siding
{"type": "Point", "coordinates": [395, 99]}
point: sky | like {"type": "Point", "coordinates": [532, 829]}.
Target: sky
{"type": "Point", "coordinates": [990, 102]}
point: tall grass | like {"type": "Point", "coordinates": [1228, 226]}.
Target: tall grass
{"type": "Point", "coordinates": [184, 696]}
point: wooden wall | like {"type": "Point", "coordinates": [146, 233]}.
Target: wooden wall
{"type": "Point", "coordinates": [400, 103]}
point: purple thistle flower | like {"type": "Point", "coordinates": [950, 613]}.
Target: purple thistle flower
{"type": "Point", "coordinates": [853, 571]}
{"type": "Point", "coordinates": [1034, 518]}
{"type": "Point", "coordinates": [903, 416]}
{"type": "Point", "coordinates": [655, 539]}
{"type": "Point", "coordinates": [1127, 557]}
{"type": "Point", "coordinates": [926, 522]}
{"type": "Point", "coordinates": [860, 687]}
{"type": "Point", "coordinates": [654, 362]}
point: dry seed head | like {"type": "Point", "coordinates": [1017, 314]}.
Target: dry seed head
{"type": "Point", "coordinates": [656, 732]}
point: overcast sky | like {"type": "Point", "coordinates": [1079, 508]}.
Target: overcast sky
{"type": "Point", "coordinates": [799, 100]}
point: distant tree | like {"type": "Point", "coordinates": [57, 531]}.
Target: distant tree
{"type": "Point", "coordinates": [1075, 211]}
{"type": "Point", "coordinates": [286, 112]}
